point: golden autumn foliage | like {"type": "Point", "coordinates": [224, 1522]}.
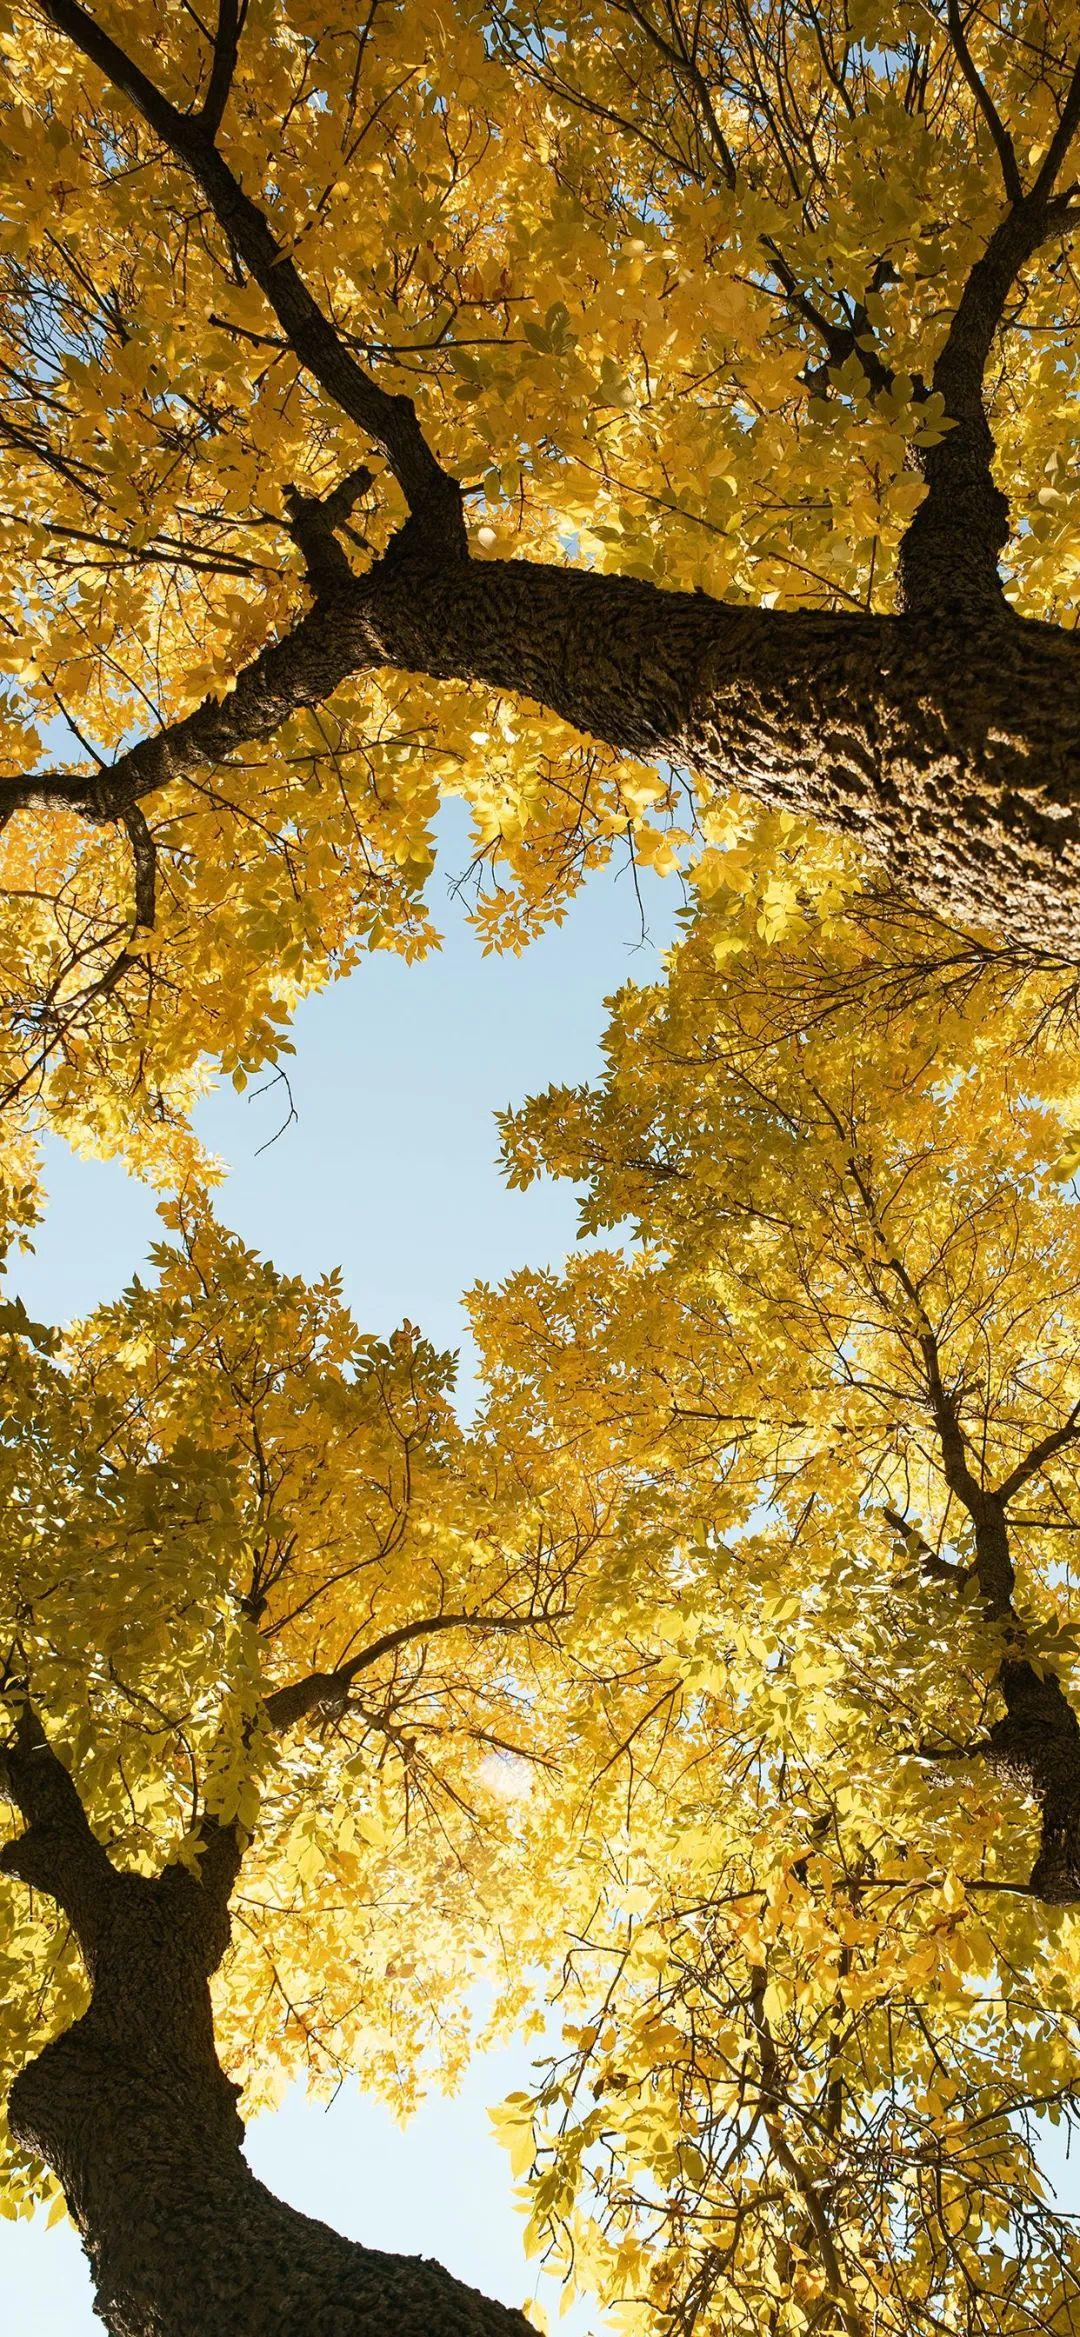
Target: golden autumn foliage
{"type": "Point", "coordinates": [648, 425]}
{"type": "Point", "coordinates": [818, 2013]}
{"type": "Point", "coordinates": [686, 1675]}
{"type": "Point", "coordinates": [666, 311]}
{"type": "Point", "coordinates": [254, 1571]}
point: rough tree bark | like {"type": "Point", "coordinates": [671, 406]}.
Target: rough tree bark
{"type": "Point", "coordinates": [1036, 1742]}
{"type": "Point", "coordinates": [133, 2113]}
{"type": "Point", "coordinates": [951, 753]}
{"type": "Point", "coordinates": [945, 738]}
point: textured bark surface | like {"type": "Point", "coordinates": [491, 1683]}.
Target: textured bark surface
{"type": "Point", "coordinates": [950, 752]}
{"type": "Point", "coordinates": [1036, 1743]}
{"type": "Point", "coordinates": [131, 2110]}
{"type": "Point", "coordinates": [142, 2131]}
{"type": "Point", "coordinates": [1037, 1746]}
{"type": "Point", "coordinates": [949, 558]}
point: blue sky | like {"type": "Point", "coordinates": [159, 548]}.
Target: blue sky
{"type": "Point", "coordinates": [390, 1173]}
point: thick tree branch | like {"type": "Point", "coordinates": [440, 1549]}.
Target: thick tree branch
{"type": "Point", "coordinates": [197, 1896]}
{"type": "Point", "coordinates": [328, 1691]}
{"type": "Point", "coordinates": [839, 341]}
{"type": "Point", "coordinates": [995, 1570]}
{"type": "Point", "coordinates": [303, 669]}
{"type": "Point", "coordinates": [1037, 1741]}
{"type": "Point", "coordinates": [144, 855]}
{"type": "Point", "coordinates": [130, 2108]}
{"type": "Point", "coordinates": [1038, 1456]}
{"type": "Point", "coordinates": [950, 755]}
{"type": "Point", "coordinates": [949, 561]}
{"type": "Point", "coordinates": [1036, 1744]}
{"type": "Point", "coordinates": [230, 25]}
{"type": "Point", "coordinates": [949, 556]}
{"type": "Point", "coordinates": [1006, 151]}
{"type": "Point", "coordinates": [313, 521]}
{"type": "Point", "coordinates": [931, 1563]}
{"type": "Point", "coordinates": [58, 1852]}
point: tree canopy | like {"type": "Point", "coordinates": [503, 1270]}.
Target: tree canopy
{"type": "Point", "coordinates": [647, 423]}
{"type": "Point", "coordinates": [284, 1621]}
{"type": "Point", "coordinates": [501, 402]}
{"type": "Point", "coordinates": [819, 2014]}
{"type": "Point", "coordinates": [725, 1673]}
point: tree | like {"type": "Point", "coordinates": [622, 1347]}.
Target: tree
{"type": "Point", "coordinates": [584, 411]}
{"type": "Point", "coordinates": [828, 1991]}
{"type": "Point", "coordinates": [727, 1670]}
{"type": "Point", "coordinates": [277, 1648]}
{"type": "Point", "coordinates": [529, 403]}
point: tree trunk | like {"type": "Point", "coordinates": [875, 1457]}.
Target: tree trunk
{"type": "Point", "coordinates": [1037, 1746]}
{"type": "Point", "coordinates": [950, 750]}
{"type": "Point", "coordinates": [1036, 1743]}
{"type": "Point", "coordinates": [135, 2117]}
